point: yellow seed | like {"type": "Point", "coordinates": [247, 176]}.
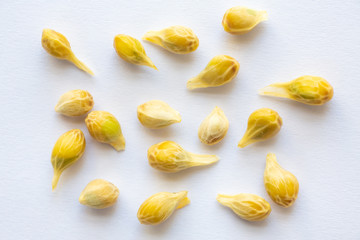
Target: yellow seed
{"type": "Point", "coordinates": [159, 207]}
{"type": "Point", "coordinates": [169, 157]}
{"type": "Point", "coordinates": [248, 206]}
{"type": "Point", "coordinates": [176, 39]}
{"type": "Point", "coordinates": [307, 89]}
{"type": "Point", "coordinates": [240, 20]}
{"type": "Point", "coordinates": [263, 124]}
{"type": "Point", "coordinates": [157, 114]}
{"type": "Point", "coordinates": [99, 194]}
{"type": "Point", "coordinates": [214, 127]}
{"type": "Point", "coordinates": [68, 149]}
{"type": "Point", "coordinates": [75, 103]}
{"type": "Point", "coordinates": [281, 185]}
{"type": "Point", "coordinates": [219, 71]}
{"type": "Point", "coordinates": [58, 46]}
{"type": "Point", "coordinates": [105, 128]}
{"type": "Point", "coordinates": [131, 50]}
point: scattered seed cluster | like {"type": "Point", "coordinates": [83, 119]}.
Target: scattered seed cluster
{"type": "Point", "coordinates": [281, 185]}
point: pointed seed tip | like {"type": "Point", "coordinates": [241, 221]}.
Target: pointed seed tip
{"type": "Point", "coordinates": [190, 86]}
{"type": "Point", "coordinates": [261, 91]}
{"type": "Point", "coordinates": [244, 142]}
{"type": "Point", "coordinates": [220, 197]}
{"type": "Point", "coordinates": [146, 37]}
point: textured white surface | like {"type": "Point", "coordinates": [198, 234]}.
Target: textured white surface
{"type": "Point", "coordinates": [320, 145]}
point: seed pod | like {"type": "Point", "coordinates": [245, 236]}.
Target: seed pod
{"type": "Point", "coordinates": [58, 46]}
{"type": "Point", "coordinates": [157, 114]}
{"type": "Point", "coordinates": [176, 39]}
{"type": "Point", "coordinates": [281, 185]}
{"type": "Point", "coordinates": [99, 194]}
{"type": "Point", "coordinates": [310, 90]}
{"type": "Point", "coordinates": [159, 207]}
{"type": "Point", "coordinates": [105, 128]}
{"type": "Point", "coordinates": [219, 71]}
{"type": "Point", "coordinates": [263, 124]}
{"type": "Point", "coordinates": [67, 150]}
{"type": "Point", "coordinates": [240, 20]}
{"type": "Point", "coordinates": [214, 127]}
{"type": "Point", "coordinates": [75, 103]}
{"type": "Point", "coordinates": [169, 157]}
{"type": "Point", "coordinates": [131, 50]}
{"type": "Point", "coordinates": [248, 206]}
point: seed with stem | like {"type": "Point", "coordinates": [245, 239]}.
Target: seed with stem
{"type": "Point", "coordinates": [263, 124]}
{"type": "Point", "coordinates": [131, 50]}
{"type": "Point", "coordinates": [58, 46]}
{"type": "Point", "coordinates": [220, 70]}
{"type": "Point", "coordinates": [159, 207]}
{"type": "Point", "coordinates": [170, 157]}
{"type": "Point", "coordinates": [307, 89]}
{"type": "Point", "coordinates": [176, 39]}
{"type": "Point", "coordinates": [241, 20]}
{"type": "Point", "coordinates": [68, 149]}
{"type": "Point", "coordinates": [281, 185]}
{"type": "Point", "coordinates": [105, 128]}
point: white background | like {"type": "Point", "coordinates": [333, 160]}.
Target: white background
{"type": "Point", "coordinates": [320, 145]}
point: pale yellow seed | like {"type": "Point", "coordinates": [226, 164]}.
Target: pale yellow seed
{"type": "Point", "coordinates": [75, 103]}
{"type": "Point", "coordinates": [68, 149]}
{"type": "Point", "coordinates": [131, 50]}
{"type": "Point", "coordinates": [105, 128]}
{"type": "Point", "coordinates": [240, 20]}
{"type": "Point", "coordinates": [247, 206]}
{"type": "Point", "coordinates": [263, 124]}
{"type": "Point", "coordinates": [214, 127]}
{"type": "Point", "coordinates": [219, 71]}
{"type": "Point", "coordinates": [159, 207]}
{"type": "Point", "coordinates": [176, 39]}
{"type": "Point", "coordinates": [170, 157]}
{"type": "Point", "coordinates": [99, 194]}
{"type": "Point", "coordinates": [157, 114]}
{"type": "Point", "coordinates": [281, 185]}
{"type": "Point", "coordinates": [58, 46]}
{"type": "Point", "coordinates": [307, 89]}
